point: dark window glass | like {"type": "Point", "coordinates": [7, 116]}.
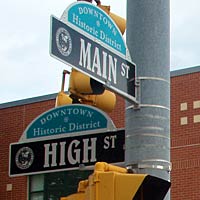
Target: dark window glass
{"type": "Point", "coordinates": [52, 186]}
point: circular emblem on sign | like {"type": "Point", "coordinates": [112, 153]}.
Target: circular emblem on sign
{"type": "Point", "coordinates": [63, 41]}
{"type": "Point", "coordinates": [24, 158]}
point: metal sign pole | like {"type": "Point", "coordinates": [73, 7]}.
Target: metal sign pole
{"type": "Point", "coordinates": [148, 126]}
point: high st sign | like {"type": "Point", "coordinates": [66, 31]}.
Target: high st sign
{"type": "Point", "coordinates": [66, 153]}
{"type": "Point", "coordinates": [64, 138]}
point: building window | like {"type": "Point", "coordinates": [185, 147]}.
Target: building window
{"type": "Point", "coordinates": [36, 187]}
{"type": "Point", "coordinates": [183, 106]}
{"type": "Point", "coordinates": [196, 118]}
{"type": "Point", "coordinates": [196, 104]}
{"type": "Point", "coordinates": [52, 186]}
{"type": "Point", "coordinates": [184, 120]}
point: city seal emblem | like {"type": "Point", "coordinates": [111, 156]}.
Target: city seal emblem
{"type": "Point", "coordinates": [63, 41]}
{"type": "Point", "coordinates": [24, 158]}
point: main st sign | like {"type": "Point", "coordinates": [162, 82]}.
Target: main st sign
{"type": "Point", "coordinates": [90, 55]}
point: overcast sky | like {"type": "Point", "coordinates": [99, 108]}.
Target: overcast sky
{"type": "Point", "coordinates": [26, 68]}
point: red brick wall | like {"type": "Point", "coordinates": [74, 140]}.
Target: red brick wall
{"type": "Point", "coordinates": [118, 115]}
{"type": "Point", "coordinates": [185, 139]}
{"type": "Point", "coordinates": [13, 122]}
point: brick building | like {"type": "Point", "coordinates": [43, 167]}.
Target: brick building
{"type": "Point", "coordinates": [185, 134]}
{"type": "Point", "coordinates": [185, 142]}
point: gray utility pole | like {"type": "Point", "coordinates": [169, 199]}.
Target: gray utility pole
{"type": "Point", "coordinates": [148, 126]}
